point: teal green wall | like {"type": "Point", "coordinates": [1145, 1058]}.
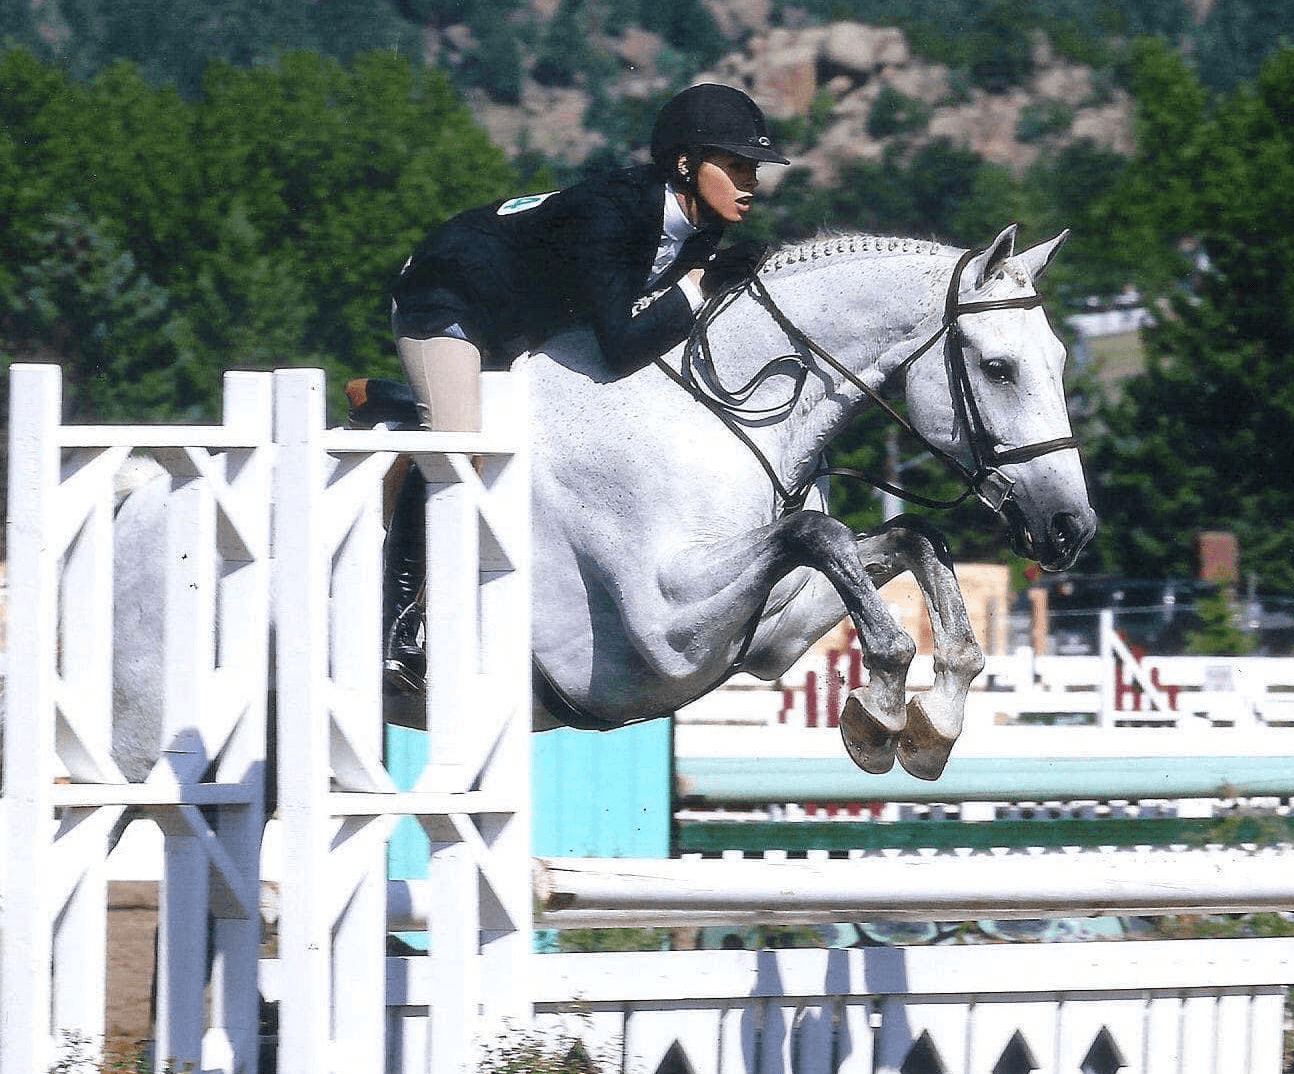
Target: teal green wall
{"type": "Point", "coordinates": [594, 794]}
{"type": "Point", "coordinates": [602, 794]}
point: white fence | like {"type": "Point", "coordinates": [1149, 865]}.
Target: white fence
{"type": "Point", "coordinates": [1111, 689]}
{"type": "Point", "coordinates": [1199, 1007]}
{"type": "Point", "coordinates": [205, 792]}
{"type": "Point", "coordinates": [64, 798]}
{"type": "Point", "coordinates": [343, 1005]}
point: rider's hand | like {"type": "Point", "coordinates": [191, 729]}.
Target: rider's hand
{"type": "Point", "coordinates": [733, 266]}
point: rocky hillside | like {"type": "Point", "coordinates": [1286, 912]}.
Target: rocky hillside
{"type": "Point", "coordinates": [839, 92]}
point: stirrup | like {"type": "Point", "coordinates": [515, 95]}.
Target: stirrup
{"type": "Point", "coordinates": [404, 663]}
{"type": "Point", "coordinates": [405, 675]}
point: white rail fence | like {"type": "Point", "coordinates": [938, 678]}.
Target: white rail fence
{"type": "Point", "coordinates": [65, 800]}
{"type": "Point", "coordinates": [206, 792]}
{"type": "Point", "coordinates": [1156, 1007]}
{"type": "Point", "coordinates": [343, 1005]}
{"type": "Point", "coordinates": [1113, 688]}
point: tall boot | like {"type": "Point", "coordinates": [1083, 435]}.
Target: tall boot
{"type": "Point", "coordinates": [404, 661]}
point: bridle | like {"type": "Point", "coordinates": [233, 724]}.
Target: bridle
{"type": "Point", "coordinates": [982, 477]}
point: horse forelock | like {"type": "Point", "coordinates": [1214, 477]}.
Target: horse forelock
{"type": "Point", "coordinates": [840, 247]}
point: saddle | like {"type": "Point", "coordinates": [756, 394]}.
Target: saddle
{"type": "Point", "coordinates": [378, 401]}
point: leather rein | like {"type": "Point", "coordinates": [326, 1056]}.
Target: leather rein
{"type": "Point", "coordinates": [981, 477]}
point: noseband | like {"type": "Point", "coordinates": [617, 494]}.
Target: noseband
{"type": "Point", "coordinates": [982, 477]}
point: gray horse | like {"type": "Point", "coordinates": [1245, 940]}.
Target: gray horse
{"type": "Point", "coordinates": [679, 513]}
{"type": "Point", "coordinates": [670, 541]}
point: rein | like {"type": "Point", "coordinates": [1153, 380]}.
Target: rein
{"type": "Point", "coordinates": [982, 477]}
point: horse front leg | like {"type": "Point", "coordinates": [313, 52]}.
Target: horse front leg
{"type": "Point", "coordinates": [731, 582]}
{"type": "Point", "coordinates": [934, 719]}
{"type": "Point", "coordinates": [874, 718]}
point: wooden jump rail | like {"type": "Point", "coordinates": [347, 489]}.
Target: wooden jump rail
{"type": "Point", "coordinates": [678, 892]}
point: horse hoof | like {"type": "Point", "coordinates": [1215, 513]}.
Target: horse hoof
{"type": "Point", "coordinates": [922, 750]}
{"type": "Point", "coordinates": [868, 741]}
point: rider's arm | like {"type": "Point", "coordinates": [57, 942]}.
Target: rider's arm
{"type": "Point", "coordinates": [631, 328]}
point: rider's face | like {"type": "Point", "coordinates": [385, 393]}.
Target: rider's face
{"type": "Point", "coordinates": [726, 184]}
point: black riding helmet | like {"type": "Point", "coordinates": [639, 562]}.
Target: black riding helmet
{"type": "Point", "coordinates": [711, 116]}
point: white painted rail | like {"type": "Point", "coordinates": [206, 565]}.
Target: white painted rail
{"type": "Point", "coordinates": [596, 893]}
{"type": "Point", "coordinates": [337, 803]}
{"type": "Point", "coordinates": [1113, 690]}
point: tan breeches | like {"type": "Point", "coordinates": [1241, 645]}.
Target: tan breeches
{"type": "Point", "coordinates": [445, 375]}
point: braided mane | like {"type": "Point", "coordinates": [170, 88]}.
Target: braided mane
{"type": "Point", "coordinates": [788, 258]}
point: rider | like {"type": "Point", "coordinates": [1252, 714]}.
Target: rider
{"type": "Point", "coordinates": [631, 253]}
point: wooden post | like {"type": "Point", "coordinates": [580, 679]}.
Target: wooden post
{"type": "Point", "coordinates": [301, 618]}
{"type": "Point", "coordinates": [26, 941]}
{"type": "Point", "coordinates": [1038, 619]}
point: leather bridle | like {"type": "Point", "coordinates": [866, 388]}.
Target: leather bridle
{"type": "Point", "coordinates": [982, 476]}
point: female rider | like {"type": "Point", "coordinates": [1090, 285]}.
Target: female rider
{"type": "Point", "coordinates": [630, 253]}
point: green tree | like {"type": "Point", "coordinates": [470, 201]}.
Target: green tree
{"type": "Point", "coordinates": [896, 113]}
{"type": "Point", "coordinates": [171, 41]}
{"type": "Point", "coordinates": [1237, 35]}
{"type": "Point", "coordinates": [335, 173]}
{"type": "Point", "coordinates": [564, 46]}
{"type": "Point", "coordinates": [151, 242]}
{"type": "Point", "coordinates": [1218, 633]}
{"type": "Point", "coordinates": [1072, 188]}
{"type": "Point", "coordinates": [1201, 440]}
{"type": "Point", "coordinates": [17, 25]}
{"type": "Point", "coordinates": [1152, 201]}
{"type": "Point", "coordinates": [113, 329]}
{"type": "Point", "coordinates": [687, 25]}
{"type": "Point", "coordinates": [998, 49]}
{"type": "Point", "coordinates": [495, 62]}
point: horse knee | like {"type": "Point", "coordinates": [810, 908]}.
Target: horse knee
{"type": "Point", "coordinates": [917, 535]}
{"type": "Point", "coordinates": [964, 659]}
{"type": "Point", "coordinates": [814, 539]}
{"type": "Point", "coordinates": [892, 656]}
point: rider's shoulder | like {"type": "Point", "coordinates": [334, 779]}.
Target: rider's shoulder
{"type": "Point", "coordinates": [628, 185]}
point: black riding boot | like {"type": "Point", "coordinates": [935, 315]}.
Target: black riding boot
{"type": "Point", "coordinates": [403, 660]}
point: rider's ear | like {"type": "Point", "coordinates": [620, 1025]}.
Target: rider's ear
{"type": "Point", "coordinates": [1037, 258]}
{"type": "Point", "coordinates": [988, 264]}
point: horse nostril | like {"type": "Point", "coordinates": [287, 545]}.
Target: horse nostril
{"type": "Point", "coordinates": [1064, 530]}
{"type": "Point", "coordinates": [1069, 531]}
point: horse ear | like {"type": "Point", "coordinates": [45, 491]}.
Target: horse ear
{"type": "Point", "coordinates": [986, 265]}
{"type": "Point", "coordinates": [1037, 258]}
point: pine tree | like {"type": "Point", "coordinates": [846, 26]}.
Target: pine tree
{"type": "Point", "coordinates": [1202, 439]}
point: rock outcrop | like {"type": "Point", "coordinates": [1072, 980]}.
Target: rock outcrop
{"type": "Point", "coordinates": [825, 82]}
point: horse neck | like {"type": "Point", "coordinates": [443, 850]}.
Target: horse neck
{"type": "Point", "coordinates": [869, 313]}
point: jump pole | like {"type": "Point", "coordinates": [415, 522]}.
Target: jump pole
{"type": "Point", "coordinates": [593, 893]}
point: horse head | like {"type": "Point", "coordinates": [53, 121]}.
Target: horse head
{"type": "Point", "coordinates": [995, 404]}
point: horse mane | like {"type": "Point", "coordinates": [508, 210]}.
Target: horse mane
{"type": "Point", "coordinates": [825, 245]}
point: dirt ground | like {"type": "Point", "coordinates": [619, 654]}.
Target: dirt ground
{"type": "Point", "coordinates": [132, 932]}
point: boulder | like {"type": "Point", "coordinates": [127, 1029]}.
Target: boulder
{"type": "Point", "coordinates": [860, 50]}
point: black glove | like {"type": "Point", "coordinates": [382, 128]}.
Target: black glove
{"type": "Point", "coordinates": [732, 266]}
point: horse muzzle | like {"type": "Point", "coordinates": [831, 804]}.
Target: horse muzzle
{"type": "Point", "coordinates": [1063, 537]}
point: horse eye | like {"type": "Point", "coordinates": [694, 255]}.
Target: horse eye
{"type": "Point", "coordinates": [998, 370]}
